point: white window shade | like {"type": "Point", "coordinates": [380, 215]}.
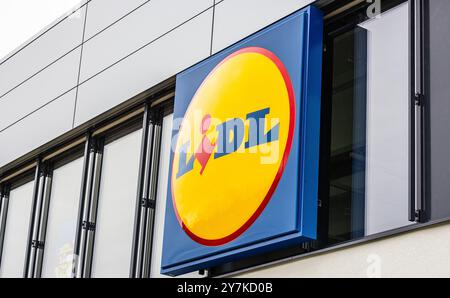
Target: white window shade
{"type": "Point", "coordinates": [16, 231]}
{"type": "Point", "coordinates": [388, 107]}
{"type": "Point", "coordinates": [116, 209]}
{"type": "Point", "coordinates": [62, 220]}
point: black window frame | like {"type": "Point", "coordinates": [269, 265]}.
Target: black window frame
{"type": "Point", "coordinates": [150, 121]}
{"type": "Point", "coordinates": [88, 142]}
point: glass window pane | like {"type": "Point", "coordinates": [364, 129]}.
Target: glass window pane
{"type": "Point", "coordinates": [62, 220]}
{"type": "Point", "coordinates": [117, 198]}
{"type": "Point", "coordinates": [16, 231]}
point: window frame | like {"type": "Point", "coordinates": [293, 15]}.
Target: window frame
{"type": "Point", "coordinates": [52, 164]}
{"type": "Point", "coordinates": [85, 238]}
{"type": "Point", "coordinates": [89, 140]}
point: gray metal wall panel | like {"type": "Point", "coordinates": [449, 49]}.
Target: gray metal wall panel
{"type": "Point", "coordinates": [156, 62]}
{"type": "Point", "coordinates": [39, 34]}
{"type": "Point", "coordinates": [236, 19]}
{"type": "Point", "coordinates": [53, 44]}
{"type": "Point", "coordinates": [439, 109]}
{"type": "Point", "coordinates": [44, 87]}
{"type": "Point", "coordinates": [147, 23]}
{"type": "Point", "coordinates": [102, 13]}
{"type": "Point", "coordinates": [37, 129]}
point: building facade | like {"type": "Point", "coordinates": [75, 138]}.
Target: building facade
{"type": "Point", "coordinates": [86, 135]}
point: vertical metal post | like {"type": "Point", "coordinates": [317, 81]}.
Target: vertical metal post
{"type": "Point", "coordinates": [421, 214]}
{"type": "Point", "coordinates": [151, 204]}
{"type": "Point", "coordinates": [85, 217]}
{"type": "Point", "coordinates": [36, 192]}
{"type": "Point", "coordinates": [417, 195]}
{"type": "Point", "coordinates": [81, 204]}
{"type": "Point", "coordinates": [418, 109]}
{"type": "Point", "coordinates": [4, 195]}
{"type": "Point", "coordinates": [88, 208]}
{"type": "Point", "coordinates": [35, 244]}
{"type": "Point", "coordinates": [89, 226]}
{"type": "Point", "coordinates": [90, 194]}
{"type": "Point", "coordinates": [139, 195]}
{"type": "Point", "coordinates": [412, 121]}
{"type": "Point", "coordinates": [145, 196]}
{"type": "Point", "coordinates": [42, 230]}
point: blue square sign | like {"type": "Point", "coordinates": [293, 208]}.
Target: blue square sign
{"type": "Point", "coordinates": [244, 165]}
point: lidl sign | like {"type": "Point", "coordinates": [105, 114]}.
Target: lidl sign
{"type": "Point", "coordinates": [244, 166]}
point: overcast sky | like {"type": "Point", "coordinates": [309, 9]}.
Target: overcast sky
{"type": "Point", "coordinates": [21, 19]}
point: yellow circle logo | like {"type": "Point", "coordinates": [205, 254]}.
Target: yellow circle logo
{"type": "Point", "coordinates": [232, 146]}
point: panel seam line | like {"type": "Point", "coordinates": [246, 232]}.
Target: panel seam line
{"type": "Point", "coordinates": [212, 27]}
{"type": "Point", "coordinates": [108, 67]}
{"type": "Point", "coordinates": [79, 67]}
{"type": "Point", "coordinates": [145, 45]}
{"type": "Point", "coordinates": [43, 33]}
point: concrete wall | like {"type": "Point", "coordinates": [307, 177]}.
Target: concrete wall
{"type": "Point", "coordinates": [108, 51]}
{"type": "Point", "coordinates": [420, 253]}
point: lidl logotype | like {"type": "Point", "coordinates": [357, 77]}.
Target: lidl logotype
{"type": "Point", "coordinates": [244, 162]}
